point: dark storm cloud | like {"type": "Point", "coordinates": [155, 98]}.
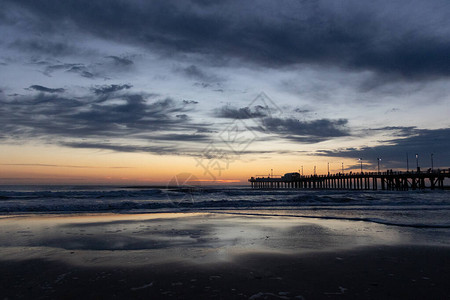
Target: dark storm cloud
{"type": "Point", "coordinates": [398, 38]}
{"type": "Point", "coordinates": [50, 68]}
{"type": "Point", "coordinates": [111, 88]}
{"type": "Point", "coordinates": [133, 116]}
{"type": "Point", "coordinates": [230, 112]}
{"type": "Point", "coordinates": [393, 152]}
{"type": "Point", "coordinates": [77, 68]}
{"type": "Point", "coordinates": [396, 130]}
{"type": "Point", "coordinates": [83, 71]}
{"type": "Point", "coordinates": [48, 115]}
{"type": "Point", "coordinates": [183, 137]}
{"type": "Point", "coordinates": [184, 117]}
{"type": "Point", "coordinates": [190, 102]}
{"type": "Point", "coordinates": [313, 131]}
{"type": "Point", "coordinates": [130, 123]}
{"type": "Point", "coordinates": [121, 61]}
{"type": "Point", "coordinates": [302, 111]}
{"type": "Point", "coordinates": [98, 69]}
{"type": "Point", "coordinates": [41, 88]}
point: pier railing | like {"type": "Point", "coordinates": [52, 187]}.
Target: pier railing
{"type": "Point", "coordinates": [387, 180]}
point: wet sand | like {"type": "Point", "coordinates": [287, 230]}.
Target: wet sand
{"type": "Point", "coordinates": [207, 256]}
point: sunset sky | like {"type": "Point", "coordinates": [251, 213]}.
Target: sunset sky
{"type": "Point", "coordinates": [136, 92]}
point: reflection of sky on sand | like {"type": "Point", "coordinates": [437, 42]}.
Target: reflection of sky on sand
{"type": "Point", "coordinates": [153, 238]}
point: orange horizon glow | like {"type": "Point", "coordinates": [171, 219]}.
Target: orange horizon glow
{"type": "Point", "coordinates": [239, 173]}
{"type": "Point", "coordinates": [51, 165]}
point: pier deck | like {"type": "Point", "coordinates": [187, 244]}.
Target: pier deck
{"type": "Point", "coordinates": [389, 180]}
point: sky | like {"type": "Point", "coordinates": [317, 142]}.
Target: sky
{"type": "Point", "coordinates": [142, 92]}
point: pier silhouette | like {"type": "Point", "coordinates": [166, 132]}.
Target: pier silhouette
{"type": "Point", "coordinates": [388, 180]}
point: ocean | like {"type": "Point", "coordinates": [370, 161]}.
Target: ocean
{"type": "Point", "coordinates": [420, 208]}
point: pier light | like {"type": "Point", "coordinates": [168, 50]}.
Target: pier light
{"type": "Point", "coordinates": [360, 160]}
{"type": "Point", "coordinates": [417, 162]}
{"type": "Point", "coordinates": [407, 162]}
{"type": "Point", "coordinates": [378, 159]}
{"type": "Point", "coordinates": [342, 168]}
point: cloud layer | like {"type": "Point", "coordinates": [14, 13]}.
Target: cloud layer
{"type": "Point", "coordinates": [393, 152]}
{"type": "Point", "coordinates": [115, 117]}
{"type": "Point", "coordinates": [104, 113]}
{"type": "Point", "coordinates": [402, 38]}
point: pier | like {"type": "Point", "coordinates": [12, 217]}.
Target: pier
{"type": "Point", "coordinates": [389, 180]}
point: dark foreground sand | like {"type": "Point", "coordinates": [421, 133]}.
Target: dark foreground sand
{"type": "Point", "coordinates": [370, 273]}
{"type": "Point", "coordinates": [240, 264]}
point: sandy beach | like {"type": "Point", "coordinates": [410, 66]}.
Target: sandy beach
{"type": "Point", "coordinates": [218, 255]}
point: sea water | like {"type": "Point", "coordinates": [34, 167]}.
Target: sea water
{"type": "Point", "coordinates": [419, 208]}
